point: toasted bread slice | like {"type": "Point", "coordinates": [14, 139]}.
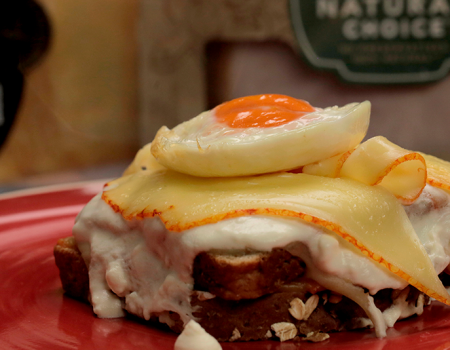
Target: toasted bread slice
{"type": "Point", "coordinates": [245, 275]}
{"type": "Point", "coordinates": [240, 295]}
{"type": "Point", "coordinates": [229, 275]}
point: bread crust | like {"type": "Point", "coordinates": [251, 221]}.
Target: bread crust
{"type": "Point", "coordinates": [72, 269]}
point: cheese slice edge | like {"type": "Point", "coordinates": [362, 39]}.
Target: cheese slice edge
{"type": "Point", "coordinates": [369, 217]}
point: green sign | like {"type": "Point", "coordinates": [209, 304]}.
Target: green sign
{"type": "Point", "coordinates": [375, 41]}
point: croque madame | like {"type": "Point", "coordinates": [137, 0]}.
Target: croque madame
{"type": "Point", "coordinates": [266, 217]}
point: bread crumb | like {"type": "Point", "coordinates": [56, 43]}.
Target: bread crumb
{"type": "Point", "coordinates": [316, 337]}
{"type": "Point", "coordinates": [235, 335]}
{"type": "Point", "coordinates": [335, 298]}
{"type": "Point", "coordinates": [301, 311]}
{"type": "Point", "coordinates": [284, 330]}
{"type": "Point", "coordinates": [202, 296]}
{"type": "Point", "coordinates": [311, 305]}
{"type": "Point", "coordinates": [297, 309]}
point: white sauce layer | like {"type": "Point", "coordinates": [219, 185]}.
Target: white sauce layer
{"type": "Point", "coordinates": [141, 267]}
{"type": "Point", "coordinates": [430, 217]}
{"type": "Point", "coordinates": [194, 337]}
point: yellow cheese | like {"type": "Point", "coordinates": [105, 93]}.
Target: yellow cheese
{"type": "Point", "coordinates": [369, 217]}
{"type": "Point", "coordinates": [329, 167]}
{"type": "Point", "coordinates": [438, 172]}
{"type": "Point", "coordinates": [144, 160]}
{"type": "Point", "coordinates": [380, 162]}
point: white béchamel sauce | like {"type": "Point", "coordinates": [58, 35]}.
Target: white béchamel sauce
{"type": "Point", "coordinates": [194, 337]}
{"type": "Point", "coordinates": [141, 267]}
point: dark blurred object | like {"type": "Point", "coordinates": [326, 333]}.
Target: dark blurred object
{"type": "Point", "coordinates": [24, 38]}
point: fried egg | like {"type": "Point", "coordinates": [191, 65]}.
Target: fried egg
{"type": "Point", "coordinates": [260, 134]}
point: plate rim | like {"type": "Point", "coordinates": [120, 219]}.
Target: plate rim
{"type": "Point", "coordinates": [45, 189]}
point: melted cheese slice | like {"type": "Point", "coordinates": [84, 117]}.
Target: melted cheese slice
{"type": "Point", "coordinates": [330, 167]}
{"type": "Point", "coordinates": [438, 172]}
{"type": "Point", "coordinates": [144, 160]}
{"type": "Point", "coordinates": [380, 162]}
{"type": "Point", "coordinates": [369, 217]}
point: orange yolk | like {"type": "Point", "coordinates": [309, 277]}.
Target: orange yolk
{"type": "Point", "coordinates": [262, 111]}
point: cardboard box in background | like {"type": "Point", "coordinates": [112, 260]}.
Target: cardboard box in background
{"type": "Point", "coordinates": [79, 105]}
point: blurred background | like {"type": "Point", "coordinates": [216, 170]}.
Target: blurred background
{"type": "Point", "coordinates": [78, 113]}
{"type": "Point", "coordinates": [106, 74]}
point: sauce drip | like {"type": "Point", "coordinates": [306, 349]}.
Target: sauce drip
{"type": "Point", "coordinates": [261, 111]}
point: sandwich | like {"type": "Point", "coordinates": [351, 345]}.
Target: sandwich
{"type": "Point", "coordinates": [266, 218]}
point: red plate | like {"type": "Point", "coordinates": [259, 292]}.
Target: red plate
{"type": "Point", "coordinates": [34, 313]}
